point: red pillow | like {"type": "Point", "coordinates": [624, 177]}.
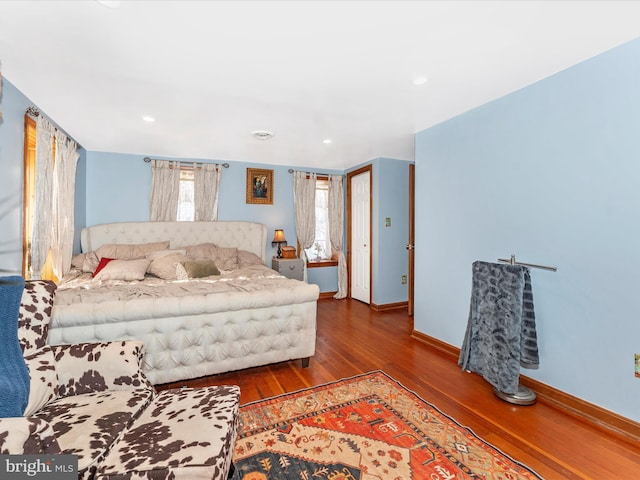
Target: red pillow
{"type": "Point", "coordinates": [101, 265]}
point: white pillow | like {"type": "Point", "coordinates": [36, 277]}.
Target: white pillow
{"type": "Point", "coordinates": [124, 270]}
{"type": "Point", "coordinates": [43, 379]}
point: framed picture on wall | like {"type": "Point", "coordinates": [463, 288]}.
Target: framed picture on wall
{"type": "Point", "coordinates": [260, 186]}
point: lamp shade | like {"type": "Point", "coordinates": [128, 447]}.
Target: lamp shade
{"type": "Point", "coordinates": [278, 236]}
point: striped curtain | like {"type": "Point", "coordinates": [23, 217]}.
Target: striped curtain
{"type": "Point", "coordinates": [165, 186]}
{"type": "Point", "coordinates": [336, 227]}
{"type": "Point", "coordinates": [304, 199]}
{"type": "Point", "coordinates": [206, 180]}
{"type": "Point", "coordinates": [64, 190]}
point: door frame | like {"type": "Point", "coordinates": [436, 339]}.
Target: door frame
{"type": "Point", "coordinates": [350, 175]}
{"type": "Point", "coordinates": [412, 240]}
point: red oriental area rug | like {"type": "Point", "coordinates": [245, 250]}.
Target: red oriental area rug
{"type": "Point", "coordinates": [366, 427]}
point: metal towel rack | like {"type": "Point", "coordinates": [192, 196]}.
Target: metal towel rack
{"type": "Point", "coordinates": [513, 261]}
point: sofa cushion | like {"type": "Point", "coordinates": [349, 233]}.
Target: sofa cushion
{"type": "Point", "coordinates": [88, 425]}
{"type": "Point", "coordinates": [93, 367]}
{"type": "Point", "coordinates": [185, 433]}
{"type": "Point", "coordinates": [43, 379]}
{"type": "Point", "coordinates": [35, 314]}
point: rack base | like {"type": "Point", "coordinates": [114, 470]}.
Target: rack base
{"type": "Point", "coordinates": [524, 396]}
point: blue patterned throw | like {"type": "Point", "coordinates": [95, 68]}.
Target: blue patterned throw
{"type": "Point", "coordinates": [14, 376]}
{"type": "Point", "coordinates": [501, 332]}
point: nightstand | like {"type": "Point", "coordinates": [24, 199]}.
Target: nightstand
{"type": "Point", "coordinates": [289, 267]}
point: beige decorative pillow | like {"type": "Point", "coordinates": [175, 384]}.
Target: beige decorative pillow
{"type": "Point", "coordinates": [90, 262]}
{"type": "Point", "coordinates": [163, 253]}
{"type": "Point", "coordinates": [202, 251]}
{"type": "Point", "coordinates": [226, 258]}
{"type": "Point", "coordinates": [78, 260]}
{"type": "Point", "coordinates": [124, 270]}
{"type": "Point", "coordinates": [165, 266]}
{"type": "Point", "coordinates": [200, 268]}
{"type": "Point", "coordinates": [246, 259]}
{"type": "Point", "coordinates": [43, 379]}
{"type": "Point", "coordinates": [129, 251]}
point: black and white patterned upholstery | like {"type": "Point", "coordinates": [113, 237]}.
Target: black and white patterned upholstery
{"type": "Point", "coordinates": [185, 433]}
{"type": "Point", "coordinates": [34, 315]}
{"type": "Point", "coordinates": [94, 401]}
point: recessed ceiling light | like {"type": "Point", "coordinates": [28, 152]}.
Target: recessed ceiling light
{"type": "Point", "coordinates": [109, 3]}
{"type": "Point", "coordinates": [327, 140]}
{"type": "Point", "coordinates": [421, 80]}
{"type": "Point", "coordinates": [148, 118]}
{"type": "Point", "coordinates": [262, 134]}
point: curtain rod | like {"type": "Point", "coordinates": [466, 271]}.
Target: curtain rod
{"type": "Point", "coordinates": [291, 170]}
{"type": "Point", "coordinates": [148, 160]}
{"type": "Point", "coordinates": [33, 111]}
{"type": "Point", "coordinates": [512, 261]}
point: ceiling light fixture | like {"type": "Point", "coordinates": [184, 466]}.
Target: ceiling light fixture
{"type": "Point", "coordinates": [262, 134]}
{"type": "Point", "coordinates": [421, 80]}
{"type": "Point", "coordinates": [327, 140]}
{"type": "Point", "coordinates": [148, 118]}
{"type": "Point", "coordinates": [109, 3]}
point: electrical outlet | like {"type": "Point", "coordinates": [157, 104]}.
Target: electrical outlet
{"type": "Point", "coordinates": [637, 365]}
{"type": "Point", "coordinates": [404, 282]}
{"type": "Point", "coordinates": [387, 221]}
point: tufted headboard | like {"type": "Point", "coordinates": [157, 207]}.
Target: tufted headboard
{"type": "Point", "coordinates": [249, 236]}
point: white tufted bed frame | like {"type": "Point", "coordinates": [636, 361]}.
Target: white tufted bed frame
{"type": "Point", "coordinates": [213, 334]}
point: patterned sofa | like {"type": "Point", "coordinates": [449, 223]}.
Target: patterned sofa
{"type": "Point", "coordinates": [93, 401]}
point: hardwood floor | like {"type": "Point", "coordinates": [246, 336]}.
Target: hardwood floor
{"type": "Point", "coordinates": [353, 339]}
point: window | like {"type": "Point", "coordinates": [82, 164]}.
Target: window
{"type": "Point", "coordinates": [186, 196]}
{"type": "Point", "coordinates": [320, 254]}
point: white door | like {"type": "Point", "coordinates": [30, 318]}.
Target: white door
{"type": "Point", "coordinates": [361, 237]}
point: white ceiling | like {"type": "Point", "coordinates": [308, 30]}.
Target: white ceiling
{"type": "Point", "coordinates": [211, 72]}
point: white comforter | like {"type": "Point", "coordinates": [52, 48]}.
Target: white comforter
{"type": "Point", "coordinates": [81, 300]}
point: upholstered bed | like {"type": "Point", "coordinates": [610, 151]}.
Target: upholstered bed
{"type": "Point", "coordinates": [242, 317]}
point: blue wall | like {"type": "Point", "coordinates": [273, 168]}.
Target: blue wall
{"type": "Point", "coordinates": [11, 166]}
{"type": "Point", "coordinates": [391, 187]}
{"type": "Point", "coordinates": [550, 173]}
